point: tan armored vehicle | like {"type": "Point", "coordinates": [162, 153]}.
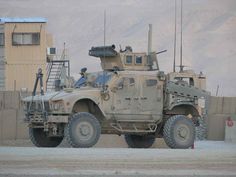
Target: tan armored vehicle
{"type": "Point", "coordinates": [131, 97]}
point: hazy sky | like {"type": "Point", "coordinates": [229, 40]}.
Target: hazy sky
{"type": "Point", "coordinates": [209, 31]}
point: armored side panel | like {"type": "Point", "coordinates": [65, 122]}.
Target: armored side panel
{"type": "Point", "coordinates": [177, 93]}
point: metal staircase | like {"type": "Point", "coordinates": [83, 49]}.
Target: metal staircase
{"type": "Point", "coordinates": [55, 69]}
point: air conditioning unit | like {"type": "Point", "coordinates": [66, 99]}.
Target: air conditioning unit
{"type": "Point", "coordinates": [51, 51]}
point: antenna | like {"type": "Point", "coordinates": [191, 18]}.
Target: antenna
{"type": "Point", "coordinates": [181, 38]}
{"type": "Point", "coordinates": [104, 29]}
{"type": "Point", "coordinates": [104, 43]}
{"type": "Point", "coordinates": [175, 36]}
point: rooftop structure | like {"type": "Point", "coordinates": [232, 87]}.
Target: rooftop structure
{"type": "Point", "coordinates": [23, 20]}
{"type": "Point", "coordinates": [23, 49]}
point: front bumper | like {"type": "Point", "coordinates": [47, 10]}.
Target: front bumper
{"type": "Point", "coordinates": [40, 118]}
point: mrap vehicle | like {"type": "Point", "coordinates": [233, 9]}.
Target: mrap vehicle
{"type": "Point", "coordinates": [130, 97]}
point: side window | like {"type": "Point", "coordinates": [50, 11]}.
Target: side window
{"type": "Point", "coordinates": [138, 60]}
{"type": "Point", "coordinates": [184, 80]}
{"type": "Point", "coordinates": [129, 59]}
{"type": "Point", "coordinates": [126, 82]}
{"type": "Point", "coordinates": [1, 39]}
{"type": "Point", "coordinates": [25, 38]}
{"type": "Point", "coordinates": [151, 82]}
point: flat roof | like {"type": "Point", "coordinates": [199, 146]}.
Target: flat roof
{"type": "Point", "coordinates": [23, 20]}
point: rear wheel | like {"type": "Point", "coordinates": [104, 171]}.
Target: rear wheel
{"type": "Point", "coordinates": [83, 130]}
{"type": "Point", "coordinates": [179, 132]}
{"type": "Point", "coordinates": [40, 139]}
{"type": "Point", "coordinates": [139, 141]}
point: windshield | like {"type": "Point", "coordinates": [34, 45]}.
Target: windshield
{"type": "Point", "coordinates": [95, 80]}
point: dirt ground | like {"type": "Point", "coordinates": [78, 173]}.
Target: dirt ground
{"type": "Point", "coordinates": [209, 158]}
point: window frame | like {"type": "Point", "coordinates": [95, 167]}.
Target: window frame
{"type": "Point", "coordinates": [121, 85]}
{"type": "Point", "coordinates": [3, 40]}
{"type": "Point", "coordinates": [138, 56]}
{"type": "Point", "coordinates": [131, 56]}
{"type": "Point", "coordinates": [22, 42]}
{"type": "Point", "coordinates": [188, 80]}
{"type": "Point", "coordinates": [148, 82]}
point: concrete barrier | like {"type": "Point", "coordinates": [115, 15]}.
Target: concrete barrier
{"type": "Point", "coordinates": [8, 124]}
{"type": "Point", "coordinates": [12, 126]}
{"type": "Point", "coordinates": [216, 126]}
{"type": "Point", "coordinates": [11, 117]}
{"type": "Point", "coordinates": [230, 129]}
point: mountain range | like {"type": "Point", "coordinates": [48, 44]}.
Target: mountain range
{"type": "Point", "coordinates": [209, 32]}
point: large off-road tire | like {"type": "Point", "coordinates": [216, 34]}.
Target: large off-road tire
{"type": "Point", "coordinates": [83, 130]}
{"type": "Point", "coordinates": [40, 139]}
{"type": "Point", "coordinates": [139, 141]}
{"type": "Point", "coordinates": [179, 132]}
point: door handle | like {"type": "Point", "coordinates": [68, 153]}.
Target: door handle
{"type": "Point", "coordinates": [143, 98]}
{"type": "Point", "coordinates": [127, 98]}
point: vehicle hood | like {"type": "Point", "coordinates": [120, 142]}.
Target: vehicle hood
{"type": "Point", "coordinates": [63, 94]}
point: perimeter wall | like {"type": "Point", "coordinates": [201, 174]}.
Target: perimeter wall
{"type": "Point", "coordinates": [12, 126]}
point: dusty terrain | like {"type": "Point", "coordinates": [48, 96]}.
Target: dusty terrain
{"type": "Point", "coordinates": [207, 159]}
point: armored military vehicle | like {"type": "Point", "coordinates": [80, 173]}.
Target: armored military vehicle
{"type": "Point", "coordinates": [130, 97]}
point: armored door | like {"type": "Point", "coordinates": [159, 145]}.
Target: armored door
{"type": "Point", "coordinates": [124, 97]}
{"type": "Point", "coordinates": [151, 97]}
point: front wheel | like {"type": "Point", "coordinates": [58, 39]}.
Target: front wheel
{"type": "Point", "coordinates": [40, 138]}
{"type": "Point", "coordinates": [83, 130]}
{"type": "Point", "coordinates": [139, 141]}
{"type": "Point", "coordinates": [179, 132]}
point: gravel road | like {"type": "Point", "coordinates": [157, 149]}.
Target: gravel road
{"type": "Point", "coordinates": [207, 159]}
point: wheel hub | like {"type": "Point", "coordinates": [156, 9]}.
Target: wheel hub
{"type": "Point", "coordinates": [84, 130]}
{"type": "Point", "coordinates": [183, 132]}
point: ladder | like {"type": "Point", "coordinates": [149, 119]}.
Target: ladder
{"type": "Point", "coordinates": [55, 69]}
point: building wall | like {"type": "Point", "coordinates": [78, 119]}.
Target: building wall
{"type": "Point", "coordinates": [2, 62]}
{"type": "Point", "coordinates": [22, 62]}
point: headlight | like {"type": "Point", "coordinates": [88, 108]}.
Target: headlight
{"type": "Point", "coordinates": [57, 106]}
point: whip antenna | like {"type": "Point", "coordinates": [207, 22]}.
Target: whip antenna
{"type": "Point", "coordinates": [181, 38]}
{"type": "Point", "coordinates": [175, 36]}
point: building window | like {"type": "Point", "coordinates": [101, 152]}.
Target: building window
{"type": "Point", "coordinates": [1, 39]}
{"type": "Point", "coordinates": [129, 59]}
{"type": "Point", "coordinates": [138, 60]}
{"type": "Point", "coordinates": [25, 38]}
